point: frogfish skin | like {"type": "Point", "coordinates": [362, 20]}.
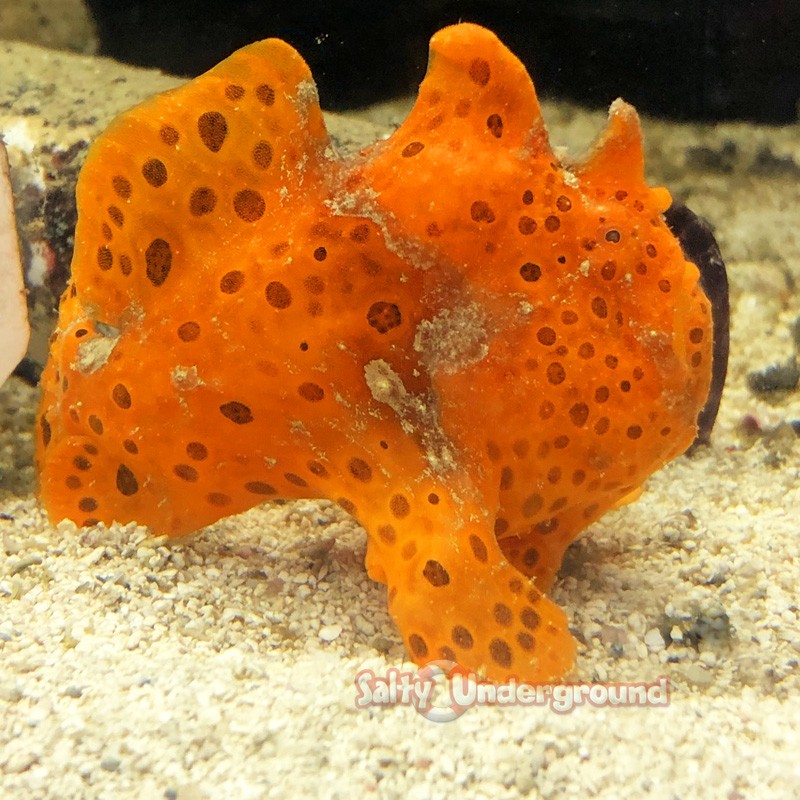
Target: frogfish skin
{"type": "Point", "coordinates": [472, 345]}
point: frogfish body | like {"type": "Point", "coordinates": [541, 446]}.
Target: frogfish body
{"type": "Point", "coordinates": [474, 347]}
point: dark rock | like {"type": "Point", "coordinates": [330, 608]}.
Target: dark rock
{"type": "Point", "coordinates": [775, 378]}
{"type": "Point", "coordinates": [771, 165]}
{"type": "Point", "coordinates": [707, 159]}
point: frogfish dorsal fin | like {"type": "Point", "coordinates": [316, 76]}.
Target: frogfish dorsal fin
{"type": "Point", "coordinates": [191, 172]}
{"type": "Point", "coordinates": [616, 159]}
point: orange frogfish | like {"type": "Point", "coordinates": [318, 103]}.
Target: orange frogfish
{"type": "Point", "coordinates": [472, 345]}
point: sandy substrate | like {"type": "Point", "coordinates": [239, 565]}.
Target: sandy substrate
{"type": "Point", "coordinates": [225, 665]}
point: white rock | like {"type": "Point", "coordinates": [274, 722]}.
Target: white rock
{"type": "Point", "coordinates": [636, 622]}
{"type": "Point", "coordinates": [708, 657]}
{"type": "Point", "coordinates": [654, 640]}
{"type": "Point", "coordinates": [20, 761]}
{"type": "Point", "coordinates": [330, 633]}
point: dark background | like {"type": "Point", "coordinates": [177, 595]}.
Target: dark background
{"type": "Point", "coordinates": [685, 59]}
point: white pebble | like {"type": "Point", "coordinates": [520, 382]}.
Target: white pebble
{"type": "Point", "coordinates": [636, 622]}
{"type": "Point", "coordinates": [654, 640]}
{"type": "Point", "coordinates": [20, 761]}
{"type": "Point", "coordinates": [708, 657]}
{"type": "Point", "coordinates": [330, 633]}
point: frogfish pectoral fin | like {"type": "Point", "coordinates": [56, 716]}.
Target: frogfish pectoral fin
{"type": "Point", "coordinates": [455, 597]}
